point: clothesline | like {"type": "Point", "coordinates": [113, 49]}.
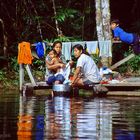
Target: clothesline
{"type": "Point", "coordinates": [101, 48]}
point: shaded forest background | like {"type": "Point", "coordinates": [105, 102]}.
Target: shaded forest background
{"type": "Point", "coordinates": [33, 21]}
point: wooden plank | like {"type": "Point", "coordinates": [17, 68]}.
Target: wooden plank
{"type": "Point", "coordinates": [34, 54]}
{"type": "Point", "coordinates": [30, 75]}
{"type": "Point", "coordinates": [125, 84]}
{"type": "Point", "coordinates": [40, 85]}
{"type": "Point", "coordinates": [124, 93]}
{"type": "Point", "coordinates": [122, 61]}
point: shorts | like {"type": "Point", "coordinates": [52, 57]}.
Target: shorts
{"type": "Point", "coordinates": [53, 78]}
{"type": "Point", "coordinates": [136, 44]}
{"type": "Point", "coordinates": [88, 82]}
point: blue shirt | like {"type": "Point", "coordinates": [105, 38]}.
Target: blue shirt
{"type": "Point", "coordinates": [123, 36]}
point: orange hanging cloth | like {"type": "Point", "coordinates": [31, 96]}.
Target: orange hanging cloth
{"type": "Point", "coordinates": [24, 53]}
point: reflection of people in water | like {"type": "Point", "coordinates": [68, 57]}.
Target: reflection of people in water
{"type": "Point", "coordinates": [53, 126]}
{"type": "Point", "coordinates": [25, 117]}
{"type": "Point", "coordinates": [24, 127]}
{"type": "Point", "coordinates": [40, 127]}
{"type": "Point", "coordinates": [62, 116]}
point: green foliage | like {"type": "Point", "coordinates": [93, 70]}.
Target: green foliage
{"type": "Point", "coordinates": [132, 65]}
{"type": "Point", "coordinates": [13, 63]}
{"type": "Point", "coordinates": [39, 64]}
{"type": "Point", "coordinates": [64, 13]}
{"type": "Point", "coordinates": [96, 58]}
{"type": "Point", "coordinates": [2, 75]}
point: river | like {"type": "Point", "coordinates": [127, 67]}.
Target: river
{"type": "Point", "coordinates": [40, 117]}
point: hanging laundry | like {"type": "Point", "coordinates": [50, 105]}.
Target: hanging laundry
{"type": "Point", "coordinates": [44, 47]}
{"type": "Point", "coordinates": [92, 47]}
{"type": "Point", "coordinates": [66, 50]}
{"type": "Point", "coordinates": [40, 49]}
{"type": "Point", "coordinates": [105, 48]}
{"type": "Point", "coordinates": [24, 53]}
{"type": "Point", "coordinates": [79, 42]}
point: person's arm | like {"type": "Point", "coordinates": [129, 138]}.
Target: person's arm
{"type": "Point", "coordinates": [76, 75]}
{"type": "Point", "coordinates": [116, 39]}
{"type": "Point", "coordinates": [49, 62]}
{"type": "Point", "coordinates": [55, 66]}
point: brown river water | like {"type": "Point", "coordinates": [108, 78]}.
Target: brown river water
{"type": "Point", "coordinates": [40, 117]}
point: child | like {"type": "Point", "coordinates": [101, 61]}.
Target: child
{"type": "Point", "coordinates": [57, 76]}
{"type": "Point", "coordinates": [54, 59]}
{"type": "Point", "coordinates": [129, 38]}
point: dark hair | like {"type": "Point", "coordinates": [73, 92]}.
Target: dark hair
{"type": "Point", "coordinates": [80, 48]}
{"type": "Point", "coordinates": [116, 21]}
{"type": "Point", "coordinates": [54, 51]}
{"type": "Point", "coordinates": [57, 42]}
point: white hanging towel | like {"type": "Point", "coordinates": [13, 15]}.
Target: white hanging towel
{"type": "Point", "coordinates": [92, 47]}
{"type": "Point", "coordinates": [105, 48]}
{"type": "Point", "coordinates": [79, 42]}
{"type": "Point", "coordinates": [65, 72]}
{"type": "Point", "coordinates": [66, 50]}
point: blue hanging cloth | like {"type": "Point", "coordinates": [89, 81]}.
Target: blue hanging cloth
{"type": "Point", "coordinates": [39, 49]}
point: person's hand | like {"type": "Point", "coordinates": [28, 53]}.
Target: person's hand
{"type": "Point", "coordinates": [71, 63]}
{"type": "Point", "coordinates": [71, 84]}
{"type": "Point", "coordinates": [116, 39]}
{"type": "Point", "coordinates": [62, 65]}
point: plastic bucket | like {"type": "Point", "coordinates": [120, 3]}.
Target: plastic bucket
{"type": "Point", "coordinates": [61, 88]}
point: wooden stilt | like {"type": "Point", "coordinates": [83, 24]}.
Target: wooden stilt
{"type": "Point", "coordinates": [30, 75]}
{"type": "Point", "coordinates": [21, 76]}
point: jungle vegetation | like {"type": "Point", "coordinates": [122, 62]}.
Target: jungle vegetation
{"type": "Point", "coordinates": [39, 20]}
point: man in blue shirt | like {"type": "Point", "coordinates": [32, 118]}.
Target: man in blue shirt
{"type": "Point", "coordinates": [129, 38]}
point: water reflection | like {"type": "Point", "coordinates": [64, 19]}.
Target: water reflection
{"type": "Point", "coordinates": [8, 115]}
{"type": "Point", "coordinates": [25, 122]}
{"type": "Point", "coordinates": [77, 118]}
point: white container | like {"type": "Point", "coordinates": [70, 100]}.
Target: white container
{"type": "Point", "coordinates": [61, 88]}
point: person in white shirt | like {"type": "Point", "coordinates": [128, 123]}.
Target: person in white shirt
{"type": "Point", "coordinates": [86, 72]}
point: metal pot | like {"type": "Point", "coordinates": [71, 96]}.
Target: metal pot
{"type": "Point", "coordinates": [61, 88]}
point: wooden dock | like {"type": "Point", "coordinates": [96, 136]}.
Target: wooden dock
{"type": "Point", "coordinates": [129, 88]}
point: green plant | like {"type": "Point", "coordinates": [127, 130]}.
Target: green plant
{"type": "Point", "coordinates": [96, 58]}
{"type": "Point", "coordinates": [39, 64]}
{"type": "Point", "coordinates": [64, 13]}
{"type": "Point", "coordinates": [13, 63]}
{"type": "Point", "coordinates": [2, 75]}
{"type": "Point", "coordinates": [131, 65]}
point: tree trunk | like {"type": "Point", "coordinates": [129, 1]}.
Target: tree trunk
{"type": "Point", "coordinates": [103, 25]}
{"type": "Point", "coordinates": [99, 23]}
{"type": "Point", "coordinates": [4, 39]}
{"type": "Point", "coordinates": [56, 22]}
{"type": "Point", "coordinates": [38, 25]}
{"type": "Point", "coordinates": [106, 19]}
{"type": "Point", "coordinates": [103, 19]}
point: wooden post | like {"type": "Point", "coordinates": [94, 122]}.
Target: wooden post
{"type": "Point", "coordinates": [30, 75]}
{"type": "Point", "coordinates": [21, 76]}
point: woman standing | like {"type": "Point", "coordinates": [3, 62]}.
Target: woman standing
{"type": "Point", "coordinates": [86, 70]}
